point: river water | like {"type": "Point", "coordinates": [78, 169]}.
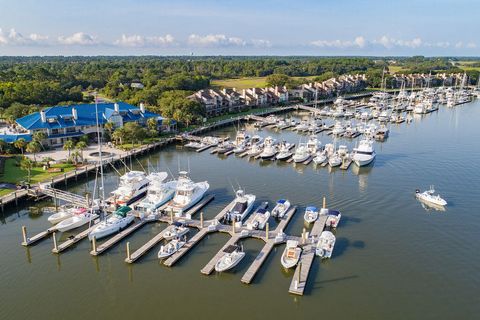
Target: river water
{"type": "Point", "coordinates": [393, 258]}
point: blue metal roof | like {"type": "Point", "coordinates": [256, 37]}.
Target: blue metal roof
{"type": "Point", "coordinates": [10, 138]}
{"type": "Point", "coordinates": [61, 116]}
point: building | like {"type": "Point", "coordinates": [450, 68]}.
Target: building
{"type": "Point", "coordinates": [61, 123]}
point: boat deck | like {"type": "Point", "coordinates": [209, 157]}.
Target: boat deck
{"type": "Point", "coordinates": [210, 266]}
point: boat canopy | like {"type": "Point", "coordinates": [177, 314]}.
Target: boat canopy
{"type": "Point", "coordinates": [240, 206]}
{"type": "Point", "coordinates": [230, 249]}
{"type": "Point", "coordinates": [311, 208]}
{"type": "Point", "coordinates": [122, 211]}
{"type": "Point", "coordinates": [261, 210]}
{"type": "Point", "coordinates": [281, 201]}
{"type": "Point", "coordinates": [177, 224]}
{"type": "Point", "coordinates": [333, 213]}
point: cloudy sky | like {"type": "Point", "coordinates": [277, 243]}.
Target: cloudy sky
{"type": "Point", "coordinates": [261, 27]}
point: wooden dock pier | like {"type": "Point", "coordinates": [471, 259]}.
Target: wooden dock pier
{"type": "Point", "coordinates": [70, 242]}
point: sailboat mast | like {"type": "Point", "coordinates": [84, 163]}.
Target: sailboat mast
{"type": "Point", "coordinates": [102, 186]}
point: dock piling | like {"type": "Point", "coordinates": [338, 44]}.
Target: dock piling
{"type": "Point", "coordinates": [266, 231]}
{"type": "Point", "coordinates": [299, 279]}
{"type": "Point", "coordinates": [324, 202]}
{"type": "Point", "coordinates": [201, 220]}
{"type": "Point", "coordinates": [94, 244]}
{"type": "Point", "coordinates": [171, 216]}
{"type": "Point", "coordinates": [128, 250]}
{"type": "Point", "coordinates": [24, 234]}
{"type": "Point", "coordinates": [54, 236]}
{"type": "Point", "coordinates": [303, 236]}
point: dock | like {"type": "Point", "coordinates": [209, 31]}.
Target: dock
{"type": "Point", "coordinates": [39, 236]}
{"type": "Point", "coordinates": [71, 241]}
{"type": "Point", "coordinates": [190, 244]}
{"type": "Point", "coordinates": [205, 148]}
{"type": "Point", "coordinates": [346, 164]}
{"type": "Point", "coordinates": [146, 247]}
{"type": "Point", "coordinates": [210, 266]}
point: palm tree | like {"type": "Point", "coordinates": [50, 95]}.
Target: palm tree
{"type": "Point", "coordinates": [47, 161]}
{"type": "Point", "coordinates": [38, 137]}
{"type": "Point", "coordinates": [3, 144]}
{"type": "Point", "coordinates": [27, 165]}
{"type": "Point", "coordinates": [20, 144]}
{"type": "Point", "coordinates": [75, 156]}
{"type": "Point", "coordinates": [118, 135]}
{"type": "Point", "coordinates": [109, 127]}
{"type": "Point", "coordinates": [33, 147]}
{"type": "Point", "coordinates": [69, 145]}
{"type": "Point", "coordinates": [81, 145]}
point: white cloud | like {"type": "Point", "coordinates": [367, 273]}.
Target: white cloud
{"type": "Point", "coordinates": [471, 45]}
{"type": "Point", "coordinates": [260, 43]}
{"type": "Point", "coordinates": [142, 41]}
{"type": "Point", "coordinates": [360, 41]}
{"type": "Point", "coordinates": [79, 38]}
{"type": "Point", "coordinates": [215, 40]}
{"type": "Point", "coordinates": [389, 43]}
{"type": "Point", "coordinates": [15, 38]}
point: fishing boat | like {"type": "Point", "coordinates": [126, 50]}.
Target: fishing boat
{"type": "Point", "coordinates": [320, 157]}
{"type": "Point", "coordinates": [269, 148]}
{"type": "Point", "coordinates": [240, 148]}
{"type": "Point", "coordinates": [311, 214]}
{"type": "Point", "coordinates": [187, 193]}
{"type": "Point", "coordinates": [77, 220]}
{"type": "Point", "coordinates": [241, 138]}
{"type": "Point", "coordinates": [382, 133]}
{"type": "Point", "coordinates": [259, 219]}
{"type": "Point", "coordinates": [241, 207]}
{"type": "Point", "coordinates": [338, 128]}
{"type": "Point", "coordinates": [232, 255]}
{"type": "Point", "coordinates": [175, 230]}
{"type": "Point", "coordinates": [284, 151]}
{"type": "Point", "coordinates": [365, 153]}
{"type": "Point", "coordinates": [255, 150]}
{"type": "Point", "coordinates": [133, 185]}
{"type": "Point", "coordinates": [334, 160]}
{"type": "Point", "coordinates": [225, 147]}
{"type": "Point", "coordinates": [325, 245]}
{"type": "Point", "coordinates": [301, 153]}
{"type": "Point", "coordinates": [158, 193]}
{"type": "Point", "coordinates": [429, 196]}
{"type": "Point", "coordinates": [64, 212]}
{"type": "Point", "coordinates": [291, 254]}
{"type": "Point", "coordinates": [313, 144]}
{"type": "Point", "coordinates": [281, 208]}
{"type": "Point", "coordinates": [170, 248]}
{"type": "Point", "coordinates": [118, 220]}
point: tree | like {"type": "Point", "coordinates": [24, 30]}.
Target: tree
{"type": "Point", "coordinates": [175, 105]}
{"type": "Point", "coordinates": [69, 145]}
{"type": "Point", "coordinates": [3, 144]}
{"type": "Point", "coordinates": [81, 146]}
{"type": "Point", "coordinates": [134, 132]}
{"type": "Point", "coordinates": [109, 127]}
{"type": "Point", "coordinates": [47, 161]}
{"type": "Point", "coordinates": [20, 144]}
{"type": "Point", "coordinates": [26, 164]}
{"type": "Point", "coordinates": [152, 126]}
{"type": "Point", "coordinates": [277, 80]}
{"type": "Point", "coordinates": [119, 135]}
{"type": "Point", "coordinates": [38, 137]}
{"type": "Point", "coordinates": [33, 147]}
{"type": "Point", "coordinates": [75, 155]}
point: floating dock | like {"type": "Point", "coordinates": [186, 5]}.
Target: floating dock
{"type": "Point", "coordinates": [70, 242]}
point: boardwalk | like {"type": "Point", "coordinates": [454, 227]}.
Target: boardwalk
{"type": "Point", "coordinates": [70, 242]}
{"type": "Point", "coordinates": [146, 247]}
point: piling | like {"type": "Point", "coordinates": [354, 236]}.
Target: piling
{"type": "Point", "coordinates": [54, 236]}
{"type": "Point", "coordinates": [171, 215]}
{"type": "Point", "coordinates": [1, 204]}
{"type": "Point", "coordinates": [324, 202]}
{"type": "Point", "coordinates": [24, 234]}
{"type": "Point", "coordinates": [128, 250]}
{"type": "Point", "coordinates": [233, 226]}
{"type": "Point", "coordinates": [55, 199]}
{"type": "Point", "coordinates": [266, 231]}
{"type": "Point", "coordinates": [303, 236]}
{"type": "Point", "coordinates": [16, 198]}
{"type": "Point", "coordinates": [94, 244]}
{"type": "Point", "coordinates": [201, 220]}
{"type": "Point", "coordinates": [299, 272]}
{"type": "Point", "coordinates": [65, 178]}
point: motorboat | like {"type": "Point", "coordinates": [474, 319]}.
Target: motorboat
{"type": "Point", "coordinates": [175, 230]}
{"type": "Point", "coordinates": [133, 185]}
{"type": "Point", "coordinates": [170, 248]}
{"type": "Point", "coordinates": [313, 144]}
{"type": "Point", "coordinates": [255, 150]}
{"type": "Point", "coordinates": [240, 148]}
{"type": "Point", "coordinates": [338, 129]}
{"type": "Point", "coordinates": [259, 219]}
{"type": "Point", "coordinates": [232, 255]}
{"type": "Point", "coordinates": [302, 126]}
{"type": "Point", "coordinates": [311, 214]}
{"type": "Point", "coordinates": [77, 220]}
{"type": "Point", "coordinates": [284, 151]}
{"type": "Point", "coordinates": [281, 208]}
{"type": "Point", "coordinates": [365, 153]}
{"type": "Point", "coordinates": [334, 160]}
{"type": "Point", "coordinates": [225, 147]}
{"type": "Point", "coordinates": [320, 157]}
{"type": "Point", "coordinates": [241, 138]}
{"type": "Point", "coordinates": [241, 207]}
{"type": "Point", "coordinates": [187, 193]}
{"type": "Point", "coordinates": [64, 212]}
{"type": "Point", "coordinates": [269, 148]}
{"type": "Point", "coordinates": [325, 245]}
{"type": "Point", "coordinates": [430, 197]}
{"type": "Point", "coordinates": [291, 254]}
{"type": "Point", "coordinates": [301, 153]}
{"type": "Point", "coordinates": [382, 133]}
{"type": "Point", "coordinates": [118, 220]}
{"type": "Point", "coordinates": [333, 217]}
{"type": "Point", "coordinates": [256, 139]}
{"type": "Point", "coordinates": [158, 193]}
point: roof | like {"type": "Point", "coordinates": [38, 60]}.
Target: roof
{"type": "Point", "coordinates": [61, 116]}
{"type": "Point", "coordinates": [10, 138]}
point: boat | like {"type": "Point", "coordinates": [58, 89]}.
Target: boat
{"type": "Point", "coordinates": [118, 220]}
{"type": "Point", "coordinates": [241, 138]}
{"type": "Point", "coordinates": [365, 153]}
{"type": "Point", "coordinates": [133, 185]}
{"type": "Point", "coordinates": [77, 220]}
{"type": "Point", "coordinates": [170, 248]}
{"type": "Point", "coordinates": [382, 133]}
{"type": "Point", "coordinates": [232, 255]}
{"type": "Point", "coordinates": [269, 148]}
{"type": "Point", "coordinates": [301, 153]}
{"type": "Point", "coordinates": [255, 150]}
{"type": "Point", "coordinates": [158, 193]}
{"type": "Point", "coordinates": [291, 254]}
{"type": "Point", "coordinates": [259, 219]}
{"type": "Point", "coordinates": [338, 129]}
{"type": "Point", "coordinates": [325, 245]}
{"type": "Point", "coordinates": [313, 144]}
{"type": "Point", "coordinates": [334, 160]}
{"type": "Point", "coordinates": [187, 193]}
{"type": "Point", "coordinates": [64, 212]}
{"type": "Point", "coordinates": [225, 147]}
{"type": "Point", "coordinates": [175, 230]}
{"type": "Point", "coordinates": [240, 148]}
{"type": "Point", "coordinates": [320, 157]}
{"type": "Point", "coordinates": [430, 197]}
{"type": "Point", "coordinates": [281, 208]}
{"type": "Point", "coordinates": [311, 214]}
{"type": "Point", "coordinates": [333, 217]}
{"type": "Point", "coordinates": [284, 151]}
{"type": "Point", "coordinates": [241, 207]}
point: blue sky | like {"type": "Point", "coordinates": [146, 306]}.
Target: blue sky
{"type": "Point", "coordinates": [208, 27]}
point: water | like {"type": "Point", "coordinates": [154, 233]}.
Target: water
{"type": "Point", "coordinates": [393, 258]}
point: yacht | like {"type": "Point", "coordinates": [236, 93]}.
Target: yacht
{"type": "Point", "coordinates": [241, 207]}
{"type": "Point", "coordinates": [241, 138]}
{"type": "Point", "coordinates": [302, 126]}
{"type": "Point", "coordinates": [284, 151]}
{"type": "Point", "coordinates": [258, 219]}
{"type": "Point", "coordinates": [320, 157]}
{"type": "Point", "coordinates": [133, 185]}
{"type": "Point", "coordinates": [311, 214]}
{"type": "Point", "coordinates": [158, 193]}
{"type": "Point", "coordinates": [187, 193]}
{"type": "Point", "coordinates": [365, 153]}
{"type": "Point", "coordinates": [175, 230]}
{"type": "Point", "coordinates": [118, 220]}
{"type": "Point", "coordinates": [338, 129]}
{"type": "Point", "coordinates": [64, 212]}
{"type": "Point", "coordinates": [170, 248]}
{"type": "Point", "coordinates": [232, 255]}
{"type": "Point", "coordinates": [325, 245]}
{"type": "Point", "coordinates": [291, 254]}
{"type": "Point", "coordinates": [255, 150]}
{"type": "Point", "coordinates": [430, 197]}
{"type": "Point", "coordinates": [281, 208]}
{"type": "Point", "coordinates": [420, 108]}
{"type": "Point", "coordinates": [382, 133]}
{"type": "Point", "coordinates": [334, 160]}
{"type": "Point", "coordinates": [301, 153]}
{"type": "Point", "coordinates": [269, 148]}
{"type": "Point", "coordinates": [313, 144]}
{"type": "Point", "coordinates": [79, 219]}
{"type": "Point", "coordinates": [225, 147]}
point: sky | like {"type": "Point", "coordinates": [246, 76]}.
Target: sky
{"type": "Point", "coordinates": [246, 27]}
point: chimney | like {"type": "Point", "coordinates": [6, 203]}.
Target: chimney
{"type": "Point", "coordinates": [43, 116]}
{"type": "Point", "coordinates": [142, 107]}
{"type": "Point", "coordinates": [74, 113]}
{"type": "Point", "coordinates": [116, 107]}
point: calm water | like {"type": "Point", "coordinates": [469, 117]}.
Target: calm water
{"type": "Point", "coordinates": [393, 258]}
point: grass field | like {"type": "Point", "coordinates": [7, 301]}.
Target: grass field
{"type": "Point", "coordinates": [395, 69]}
{"type": "Point", "coordinates": [248, 82]}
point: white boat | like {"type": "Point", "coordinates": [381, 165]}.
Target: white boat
{"type": "Point", "coordinates": [338, 129]}
{"type": "Point", "coordinates": [311, 214]}
{"type": "Point", "coordinates": [241, 138]}
{"type": "Point", "coordinates": [170, 248]}
{"type": "Point", "coordinates": [281, 208]}
{"type": "Point", "coordinates": [334, 160]}
{"type": "Point", "coordinates": [175, 230]}
{"type": "Point", "coordinates": [258, 220]}
{"type": "Point", "coordinates": [291, 254]}
{"type": "Point", "coordinates": [187, 193]}
{"type": "Point", "coordinates": [430, 197]}
{"type": "Point", "coordinates": [118, 220]}
{"type": "Point", "coordinates": [284, 151]}
{"type": "Point", "coordinates": [240, 149]}
{"type": "Point", "coordinates": [333, 217]}
{"type": "Point", "coordinates": [301, 153]}
{"type": "Point", "coordinates": [225, 147]}
{"type": "Point", "coordinates": [76, 221]}
{"type": "Point", "coordinates": [64, 212]}
{"type": "Point", "coordinates": [231, 257]}
{"type": "Point", "coordinates": [133, 185]}
{"type": "Point", "coordinates": [241, 207]}
{"type": "Point", "coordinates": [313, 144]}
{"type": "Point", "coordinates": [255, 150]}
{"type": "Point", "coordinates": [158, 193]}
{"type": "Point", "coordinates": [325, 245]}
{"type": "Point", "coordinates": [320, 157]}
{"type": "Point", "coordinates": [269, 148]}
{"type": "Point", "coordinates": [365, 153]}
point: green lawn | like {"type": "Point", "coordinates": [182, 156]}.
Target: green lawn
{"type": "Point", "coordinates": [396, 69]}
{"type": "Point", "coordinates": [247, 82]}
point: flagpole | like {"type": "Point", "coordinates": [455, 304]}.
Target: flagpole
{"type": "Point", "coordinates": [99, 153]}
